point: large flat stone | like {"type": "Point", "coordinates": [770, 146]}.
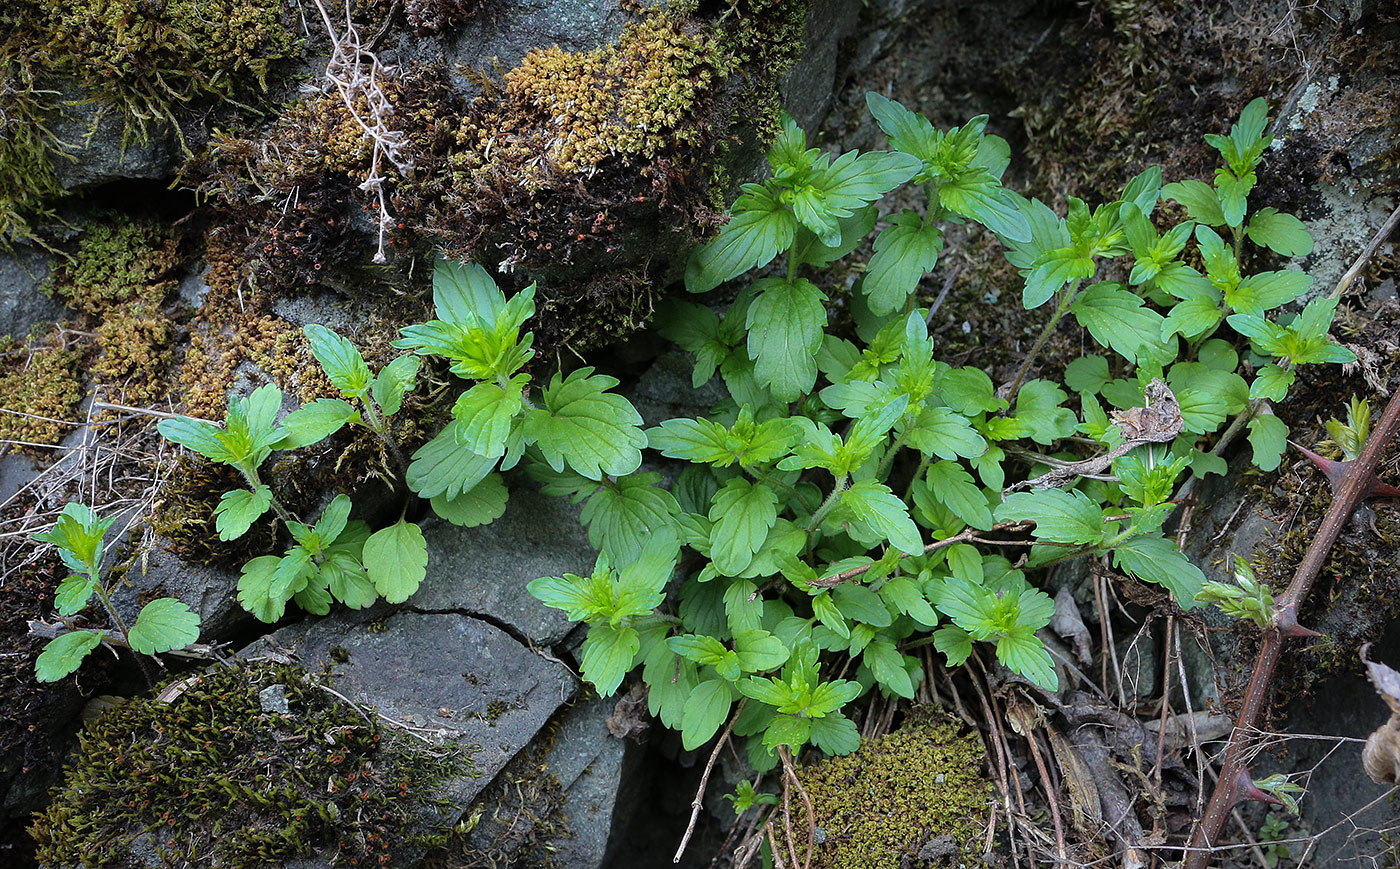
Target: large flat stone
{"type": "Point", "coordinates": [449, 676]}
{"type": "Point", "coordinates": [484, 570]}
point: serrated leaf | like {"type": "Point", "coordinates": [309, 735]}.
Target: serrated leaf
{"type": "Point", "coordinates": [941, 432]}
{"type": "Point", "coordinates": [760, 228]}
{"type": "Point", "coordinates": [1192, 317]}
{"type": "Point", "coordinates": [607, 655]}
{"type": "Point", "coordinates": [1272, 382]}
{"type": "Point", "coordinates": [201, 437]}
{"type": "Point", "coordinates": [877, 508]}
{"type": "Point", "coordinates": [482, 504]}
{"type": "Point", "coordinates": [162, 625]}
{"type": "Point", "coordinates": [887, 666]}
{"type": "Point", "coordinates": [1118, 319]}
{"type": "Point", "coordinates": [239, 509]}
{"type": "Point", "coordinates": [62, 655]}
{"type": "Point", "coordinates": [742, 513]}
{"type": "Point", "coordinates": [1281, 233]}
{"type": "Point", "coordinates": [705, 711]}
{"type": "Point", "coordinates": [622, 518]}
{"type": "Point", "coordinates": [1024, 653]}
{"type": "Point", "coordinates": [594, 431]}
{"type": "Point", "coordinates": [1200, 200]}
{"type": "Point", "coordinates": [340, 359]}
{"type": "Point", "coordinates": [834, 734]}
{"type": "Point", "coordinates": [1158, 560]}
{"type": "Point", "coordinates": [465, 295]}
{"type": "Point", "coordinates": [904, 252]}
{"type": "Point", "coordinates": [485, 413]}
{"type": "Point", "coordinates": [396, 560]}
{"type": "Point", "coordinates": [1060, 516]}
{"type": "Point", "coordinates": [1039, 413]}
{"type": "Point", "coordinates": [394, 381]}
{"type": "Point", "coordinates": [859, 604]}
{"type": "Point", "coordinates": [855, 179]}
{"type": "Point", "coordinates": [444, 467]}
{"type": "Point", "coordinates": [909, 599]}
{"type": "Point", "coordinates": [255, 589]}
{"type": "Point", "coordinates": [73, 593]}
{"type": "Point", "coordinates": [785, 323]}
{"type": "Point", "coordinates": [1268, 436]}
{"type": "Point", "coordinates": [759, 651]}
{"type": "Point", "coordinates": [314, 422]}
{"type": "Point", "coordinates": [952, 485]}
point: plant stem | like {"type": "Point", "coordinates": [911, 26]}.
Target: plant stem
{"type": "Point", "coordinates": [1352, 488]}
{"type": "Point", "coordinates": [378, 425]}
{"type": "Point", "coordinates": [1066, 297]}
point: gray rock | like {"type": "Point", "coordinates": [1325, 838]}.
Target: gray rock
{"type": "Point", "coordinates": [511, 32]}
{"type": "Point", "coordinates": [590, 765]}
{"type": "Point", "coordinates": [211, 591]}
{"type": "Point", "coordinates": [22, 305]}
{"type": "Point", "coordinates": [810, 85]}
{"type": "Point", "coordinates": [664, 392]}
{"type": "Point", "coordinates": [98, 147]}
{"type": "Point", "coordinates": [447, 676]}
{"type": "Point", "coordinates": [483, 571]}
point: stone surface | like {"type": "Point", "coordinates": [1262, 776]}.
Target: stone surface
{"type": "Point", "coordinates": [483, 571]}
{"type": "Point", "coordinates": [211, 591]}
{"type": "Point", "coordinates": [99, 148]}
{"type": "Point", "coordinates": [590, 764]}
{"type": "Point", "coordinates": [22, 305]}
{"type": "Point", "coordinates": [448, 676]}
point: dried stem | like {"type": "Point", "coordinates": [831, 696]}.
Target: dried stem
{"type": "Point", "coordinates": [696, 803]}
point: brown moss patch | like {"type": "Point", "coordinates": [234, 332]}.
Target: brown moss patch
{"type": "Point", "coordinates": [40, 387]}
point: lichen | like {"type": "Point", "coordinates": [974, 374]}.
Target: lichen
{"type": "Point", "coordinates": [212, 776]}
{"type": "Point", "coordinates": [915, 797]}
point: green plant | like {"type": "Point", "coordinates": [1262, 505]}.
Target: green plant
{"type": "Point", "coordinates": [745, 797]}
{"type": "Point", "coordinates": [162, 625]}
{"type": "Point", "coordinates": [839, 495]}
{"type": "Point", "coordinates": [1249, 599]}
{"type": "Point", "coordinates": [1271, 835]}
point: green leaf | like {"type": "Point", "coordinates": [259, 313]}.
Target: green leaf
{"type": "Point", "coordinates": [978, 195]}
{"type": "Point", "coordinates": [1268, 436]}
{"type": "Point", "coordinates": [314, 422]}
{"type": "Point", "coordinates": [859, 604]}
{"type": "Point", "coordinates": [482, 504]}
{"type": "Point", "coordinates": [904, 252]}
{"type": "Point", "coordinates": [955, 644]}
{"type": "Point", "coordinates": [953, 486]}
{"type": "Point", "coordinates": [443, 467]}
{"type": "Point", "coordinates": [908, 132]}
{"type": "Point", "coordinates": [1200, 200]}
{"type": "Point", "coordinates": [1281, 233]}
{"type": "Point", "coordinates": [1192, 317]}
{"type": "Point", "coordinates": [622, 518]}
{"type": "Point", "coordinates": [394, 381]}
{"type": "Point", "coordinates": [1052, 270]}
{"type": "Point", "coordinates": [340, 359]}
{"type": "Point", "coordinates": [239, 509]}
{"type": "Point", "coordinates": [834, 734]}
{"type": "Point", "coordinates": [705, 711]}
{"type": "Point", "coordinates": [877, 508]}
{"type": "Point", "coordinates": [465, 295]}
{"type": "Point", "coordinates": [855, 179]}
{"type": "Point", "coordinates": [785, 323]}
{"type": "Point", "coordinates": [62, 655]}
{"type": "Point", "coordinates": [203, 438]}
{"type": "Point", "coordinates": [810, 250]}
{"type": "Point", "coordinates": [1039, 413]}
{"type": "Point", "coordinates": [255, 589]}
{"type": "Point", "coordinates": [787, 730]}
{"type": "Point", "coordinates": [1268, 290]}
{"type": "Point", "coordinates": [700, 649]}
{"type": "Point", "coordinates": [826, 611]}
{"type": "Point", "coordinates": [592, 430]}
{"type": "Point", "coordinates": [485, 414]}
{"type": "Point", "coordinates": [909, 599]}
{"type": "Point", "coordinates": [759, 651]}
{"type": "Point", "coordinates": [742, 512]}
{"type": "Point", "coordinates": [1060, 516]}
{"type": "Point", "coordinates": [607, 655]}
{"type": "Point", "coordinates": [1087, 374]}
{"type": "Point", "coordinates": [163, 624]}
{"type": "Point", "coordinates": [396, 559]}
{"type": "Point", "coordinates": [1024, 653]}
{"type": "Point", "coordinates": [78, 533]}
{"type": "Point", "coordinates": [887, 665]}
{"type": "Point", "coordinates": [1118, 319]}
{"type": "Point", "coordinates": [1272, 382]}
{"type": "Point", "coordinates": [74, 592]}
{"type": "Point", "coordinates": [941, 432]}
{"type": "Point", "coordinates": [760, 228]}
{"type": "Point", "coordinates": [1158, 560]}
{"type": "Point", "coordinates": [346, 579]}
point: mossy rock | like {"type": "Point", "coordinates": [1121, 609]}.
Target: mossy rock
{"type": "Point", "coordinates": [251, 765]}
{"type": "Point", "coordinates": [913, 798]}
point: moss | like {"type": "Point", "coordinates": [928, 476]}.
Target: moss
{"type": "Point", "coordinates": [913, 798]}
{"type": "Point", "coordinates": [147, 58]}
{"type": "Point", "coordinates": [40, 382]}
{"type": "Point", "coordinates": [214, 777]}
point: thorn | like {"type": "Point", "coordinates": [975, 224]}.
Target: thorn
{"type": "Point", "coordinates": [1245, 789]}
{"type": "Point", "coordinates": [1336, 471]}
{"type": "Point", "coordinates": [1286, 620]}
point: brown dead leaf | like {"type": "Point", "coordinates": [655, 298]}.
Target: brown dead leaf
{"type": "Point", "coordinates": [1381, 756]}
